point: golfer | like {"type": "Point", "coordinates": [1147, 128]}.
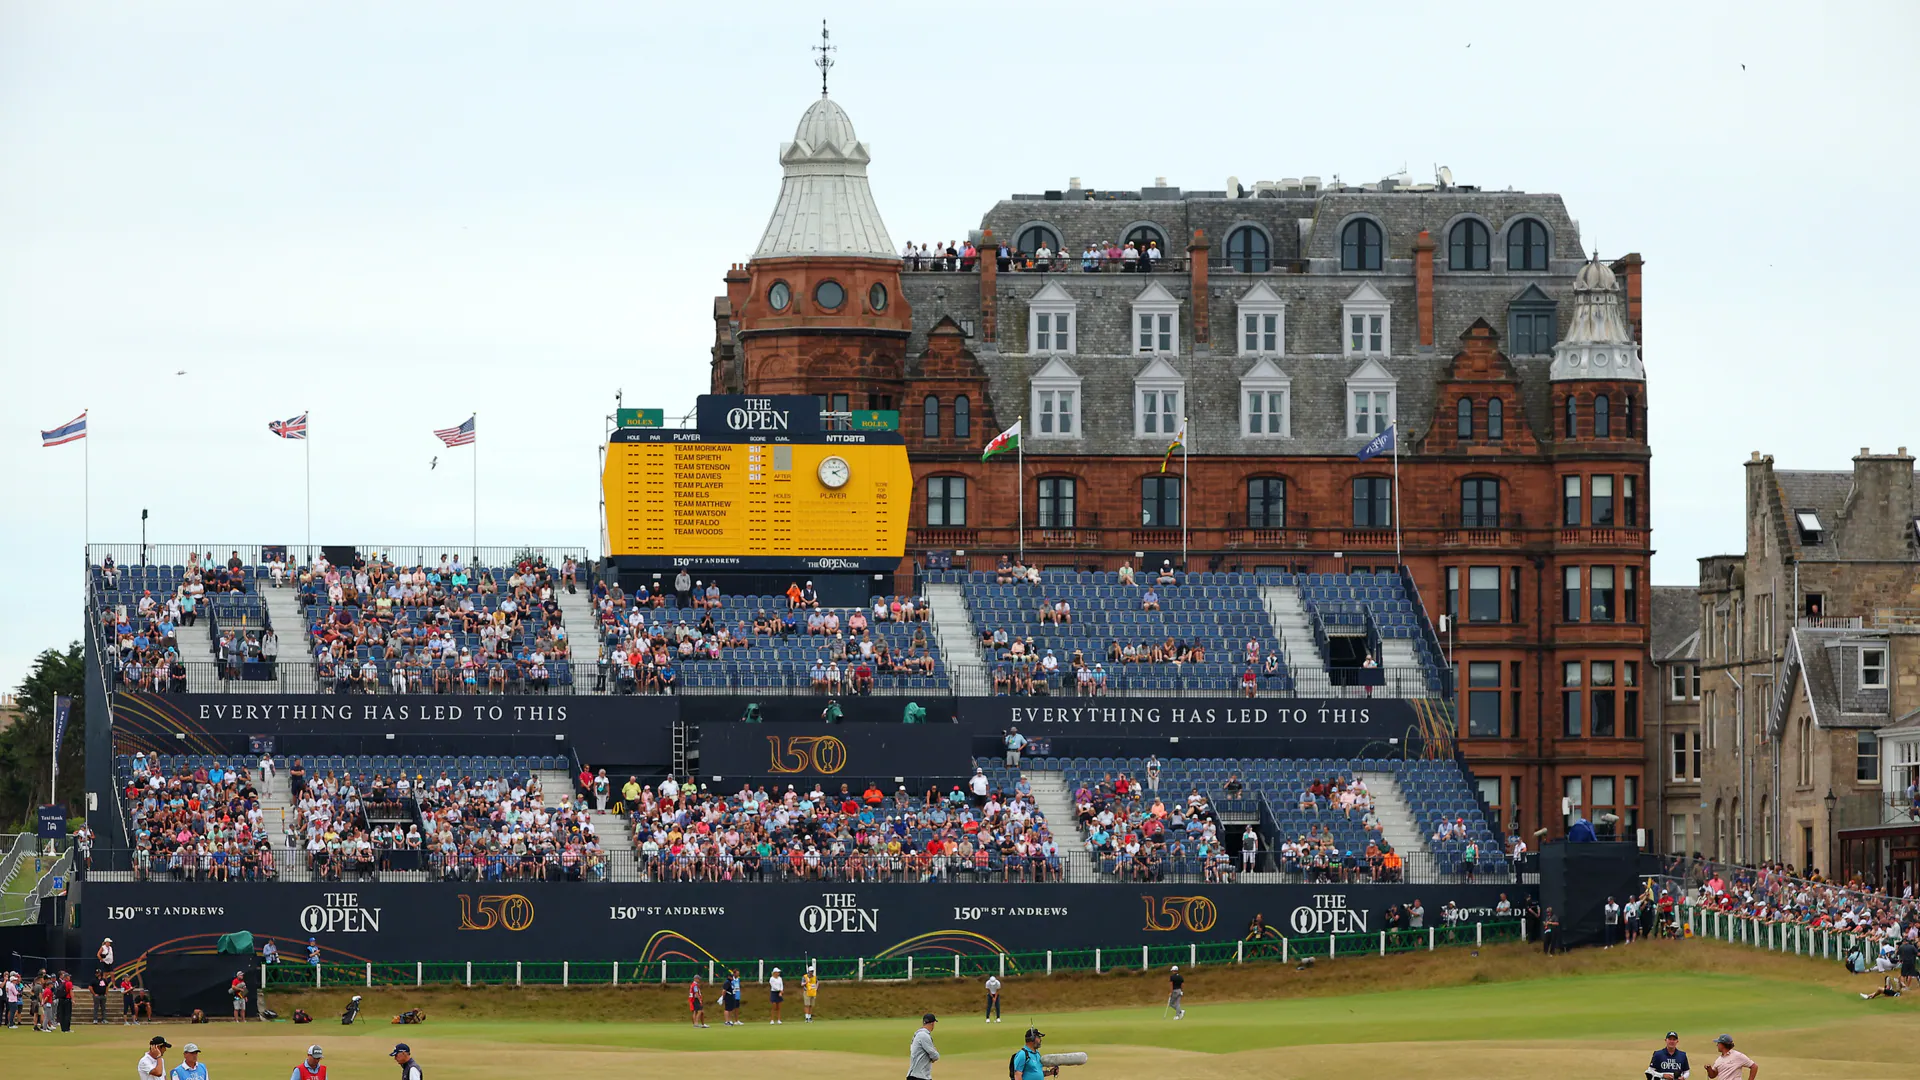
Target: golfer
{"type": "Point", "coordinates": [310, 1069]}
{"type": "Point", "coordinates": [1669, 1062]}
{"type": "Point", "coordinates": [191, 1068]}
{"type": "Point", "coordinates": [993, 998]}
{"type": "Point", "coordinates": [403, 1055]}
{"type": "Point", "coordinates": [1176, 984]}
{"type": "Point", "coordinates": [921, 1055]}
{"type": "Point", "coordinates": [695, 1007]}
{"type": "Point", "coordinates": [153, 1063]}
{"type": "Point", "coordinates": [1732, 1064]}
{"type": "Point", "coordinates": [809, 992]}
{"type": "Point", "coordinates": [776, 989]}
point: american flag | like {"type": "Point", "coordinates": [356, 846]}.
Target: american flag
{"type": "Point", "coordinates": [456, 436]}
{"type": "Point", "coordinates": [73, 429]}
{"type": "Point", "coordinates": [295, 428]}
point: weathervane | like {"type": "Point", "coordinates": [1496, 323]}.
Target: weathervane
{"type": "Point", "coordinates": [825, 61]}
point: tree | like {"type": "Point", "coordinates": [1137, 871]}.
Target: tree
{"type": "Point", "coordinates": [26, 747]}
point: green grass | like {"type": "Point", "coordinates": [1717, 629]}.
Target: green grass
{"type": "Point", "coordinates": [1600, 1013]}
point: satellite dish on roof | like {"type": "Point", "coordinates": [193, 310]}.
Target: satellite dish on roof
{"type": "Point", "coordinates": [1443, 176]}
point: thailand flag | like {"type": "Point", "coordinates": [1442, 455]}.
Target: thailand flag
{"type": "Point", "coordinates": [68, 432]}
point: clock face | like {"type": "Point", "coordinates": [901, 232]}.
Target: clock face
{"type": "Point", "coordinates": [834, 472]}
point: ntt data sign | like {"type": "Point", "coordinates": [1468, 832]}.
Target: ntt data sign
{"type": "Point", "coordinates": [551, 921]}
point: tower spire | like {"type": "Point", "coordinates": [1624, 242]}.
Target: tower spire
{"type": "Point", "coordinates": [825, 61]}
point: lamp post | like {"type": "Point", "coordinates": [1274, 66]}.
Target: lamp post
{"type": "Point", "coordinates": [1832, 867]}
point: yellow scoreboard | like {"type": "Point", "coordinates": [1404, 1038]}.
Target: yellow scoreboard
{"type": "Point", "coordinates": [820, 500]}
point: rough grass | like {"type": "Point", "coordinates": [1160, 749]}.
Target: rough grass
{"type": "Point", "coordinates": [1506, 1014]}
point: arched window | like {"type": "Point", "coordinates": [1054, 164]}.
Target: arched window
{"type": "Point", "coordinates": [962, 417]}
{"type": "Point", "coordinates": [1526, 245]}
{"type": "Point", "coordinates": [1626, 416]}
{"type": "Point", "coordinates": [1160, 502]}
{"type": "Point", "coordinates": [1602, 418]}
{"type": "Point", "coordinates": [1573, 414]}
{"type": "Point", "coordinates": [1247, 250]}
{"type": "Point", "coordinates": [1496, 420]}
{"type": "Point", "coordinates": [931, 408]}
{"type": "Point", "coordinates": [1033, 237]}
{"type": "Point", "coordinates": [1480, 504]}
{"type": "Point", "coordinates": [1467, 246]}
{"type": "Point", "coordinates": [1056, 502]}
{"type": "Point", "coordinates": [1465, 411]}
{"type": "Point", "coordinates": [1145, 236]}
{"type": "Point", "coordinates": [1266, 503]}
{"type": "Point", "coordinates": [1360, 245]}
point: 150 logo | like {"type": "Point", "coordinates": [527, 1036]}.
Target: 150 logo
{"type": "Point", "coordinates": [509, 912]}
{"type": "Point", "coordinates": [1169, 913]}
{"type": "Point", "coordinates": [806, 754]}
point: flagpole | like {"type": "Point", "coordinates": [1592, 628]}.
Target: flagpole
{"type": "Point", "coordinates": [308, 451]}
{"type": "Point", "coordinates": [1020, 484]}
{"type": "Point", "coordinates": [475, 556]}
{"type": "Point", "coordinates": [1396, 486]}
{"type": "Point", "coordinates": [1186, 495]}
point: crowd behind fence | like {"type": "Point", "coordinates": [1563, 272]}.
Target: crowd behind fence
{"type": "Point", "coordinates": [286, 975]}
{"type": "Point", "coordinates": [266, 866]}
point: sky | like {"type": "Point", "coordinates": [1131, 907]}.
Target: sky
{"type": "Point", "coordinates": [395, 216]}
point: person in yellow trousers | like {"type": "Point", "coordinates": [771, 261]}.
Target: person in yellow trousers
{"type": "Point", "coordinates": [809, 991]}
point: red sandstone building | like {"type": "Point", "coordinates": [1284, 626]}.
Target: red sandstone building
{"type": "Point", "coordinates": [1286, 326]}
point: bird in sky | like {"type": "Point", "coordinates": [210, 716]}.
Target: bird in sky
{"type": "Point", "coordinates": [182, 371]}
{"type": "Point", "coordinates": [435, 463]}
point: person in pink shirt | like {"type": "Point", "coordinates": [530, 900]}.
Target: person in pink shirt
{"type": "Point", "coordinates": [1732, 1064]}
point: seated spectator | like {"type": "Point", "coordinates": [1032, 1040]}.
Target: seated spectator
{"type": "Point", "coordinates": [1150, 600]}
{"type": "Point", "coordinates": [1165, 577]}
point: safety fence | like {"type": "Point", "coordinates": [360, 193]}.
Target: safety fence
{"type": "Point", "coordinates": [286, 975]}
{"type": "Point", "coordinates": [1788, 937]}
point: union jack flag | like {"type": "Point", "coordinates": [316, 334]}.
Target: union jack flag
{"type": "Point", "coordinates": [457, 436]}
{"type": "Point", "coordinates": [295, 428]}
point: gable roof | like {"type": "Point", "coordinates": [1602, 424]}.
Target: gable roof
{"type": "Point", "coordinates": [1159, 368]}
{"type": "Point", "coordinates": [1053, 293]}
{"type": "Point", "coordinates": [1371, 370]}
{"type": "Point", "coordinates": [1056, 368]}
{"type": "Point", "coordinates": [1265, 368]}
{"type": "Point", "coordinates": [1532, 294]}
{"type": "Point", "coordinates": [1676, 623]}
{"type": "Point", "coordinates": [1366, 294]}
{"type": "Point", "coordinates": [1261, 293]}
{"type": "Point", "coordinates": [1155, 293]}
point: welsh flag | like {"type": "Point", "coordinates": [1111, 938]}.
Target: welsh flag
{"type": "Point", "coordinates": [1006, 440]}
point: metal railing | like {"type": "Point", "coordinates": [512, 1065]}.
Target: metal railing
{"type": "Point", "coordinates": [1276, 948]}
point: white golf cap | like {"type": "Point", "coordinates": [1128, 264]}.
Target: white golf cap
{"type": "Point", "coordinates": [1176, 967]}
{"type": "Point", "coordinates": [776, 971]}
{"type": "Point", "coordinates": [190, 1048]}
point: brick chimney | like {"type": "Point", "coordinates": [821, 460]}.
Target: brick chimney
{"type": "Point", "coordinates": [1423, 285]}
{"type": "Point", "coordinates": [1197, 278]}
{"type": "Point", "coordinates": [989, 283]}
{"type": "Point", "coordinates": [1627, 270]}
{"type": "Point", "coordinates": [1879, 512]}
{"type": "Point", "coordinates": [737, 284]}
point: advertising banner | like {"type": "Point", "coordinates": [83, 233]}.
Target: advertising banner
{"type": "Point", "coordinates": [628, 730]}
{"type": "Point", "coordinates": [827, 751]}
{"type": "Point", "coordinates": [535, 920]}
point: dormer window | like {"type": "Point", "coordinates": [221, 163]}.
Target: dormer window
{"type": "Point", "coordinates": [1159, 395]}
{"type": "Point", "coordinates": [1367, 319]}
{"type": "Point", "coordinates": [1371, 404]}
{"type": "Point", "coordinates": [1052, 322]}
{"type": "Point", "coordinates": [1056, 402]}
{"type": "Point", "coordinates": [1156, 322]}
{"type": "Point", "coordinates": [1265, 408]}
{"type": "Point", "coordinates": [1811, 531]}
{"type": "Point", "coordinates": [1263, 322]}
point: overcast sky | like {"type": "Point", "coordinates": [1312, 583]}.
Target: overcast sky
{"type": "Point", "coordinates": [395, 215]}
